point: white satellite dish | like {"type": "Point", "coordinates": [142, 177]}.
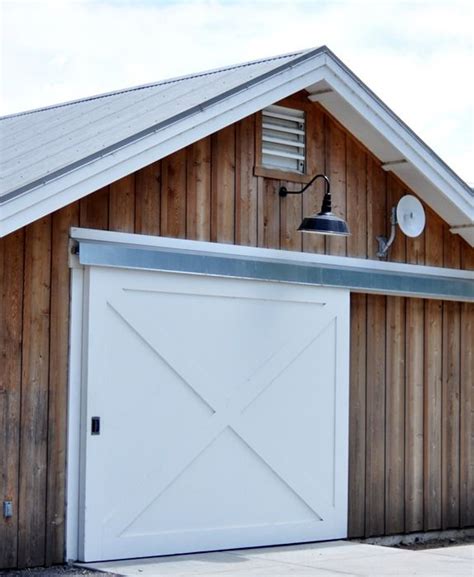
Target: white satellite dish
{"type": "Point", "coordinates": [411, 216]}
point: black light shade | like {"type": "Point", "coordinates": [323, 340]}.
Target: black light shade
{"type": "Point", "coordinates": [325, 222]}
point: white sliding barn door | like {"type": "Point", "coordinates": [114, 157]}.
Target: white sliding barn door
{"type": "Point", "coordinates": [223, 408]}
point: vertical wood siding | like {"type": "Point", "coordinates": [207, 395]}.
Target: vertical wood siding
{"type": "Point", "coordinates": [34, 394]}
{"type": "Point", "coordinates": [57, 391]}
{"type": "Point", "coordinates": [411, 453]}
{"type": "Point", "coordinates": [11, 321]}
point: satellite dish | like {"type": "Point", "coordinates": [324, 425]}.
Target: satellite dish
{"type": "Point", "coordinates": [411, 216]}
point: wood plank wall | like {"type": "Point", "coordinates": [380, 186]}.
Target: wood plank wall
{"type": "Point", "coordinates": [412, 361]}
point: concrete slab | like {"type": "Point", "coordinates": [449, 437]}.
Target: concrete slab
{"type": "Point", "coordinates": [312, 553]}
{"type": "Point", "coordinates": [212, 564]}
{"type": "Point", "coordinates": [461, 551]}
{"type": "Point", "coordinates": [310, 560]}
{"type": "Point", "coordinates": [198, 564]}
{"type": "Point", "coordinates": [403, 563]}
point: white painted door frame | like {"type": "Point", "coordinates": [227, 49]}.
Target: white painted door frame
{"type": "Point", "coordinates": [415, 280]}
{"type": "Point", "coordinates": [76, 434]}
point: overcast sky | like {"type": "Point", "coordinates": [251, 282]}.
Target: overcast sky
{"type": "Point", "coordinates": [417, 55]}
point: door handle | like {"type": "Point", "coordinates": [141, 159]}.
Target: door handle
{"type": "Point", "coordinates": [95, 426]}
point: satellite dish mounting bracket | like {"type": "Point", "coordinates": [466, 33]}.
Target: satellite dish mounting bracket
{"type": "Point", "coordinates": [384, 243]}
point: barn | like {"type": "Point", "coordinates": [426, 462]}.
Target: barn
{"type": "Point", "coordinates": [181, 368]}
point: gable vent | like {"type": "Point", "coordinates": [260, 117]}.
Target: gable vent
{"type": "Point", "coordinates": [283, 139]}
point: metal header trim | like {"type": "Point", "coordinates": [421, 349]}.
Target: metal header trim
{"type": "Point", "coordinates": [367, 280]}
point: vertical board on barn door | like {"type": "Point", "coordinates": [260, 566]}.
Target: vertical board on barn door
{"type": "Point", "coordinates": [467, 401]}
{"type": "Point", "coordinates": [414, 376]}
{"type": "Point", "coordinates": [375, 417]}
{"type": "Point", "coordinates": [376, 205]}
{"type": "Point", "coordinates": [94, 210]}
{"type": "Point", "coordinates": [246, 196]}
{"type": "Point", "coordinates": [223, 186]}
{"type": "Point", "coordinates": [147, 199]}
{"type": "Point", "coordinates": [122, 204]}
{"type": "Point", "coordinates": [467, 411]}
{"type": "Point", "coordinates": [11, 304]}
{"type": "Point", "coordinates": [34, 398]}
{"type": "Point", "coordinates": [356, 199]}
{"type": "Point", "coordinates": [173, 195]}
{"type": "Point", "coordinates": [62, 221]}
{"type": "Point", "coordinates": [433, 382]}
{"type": "Point", "coordinates": [198, 190]}
{"type": "Point", "coordinates": [356, 161]}
{"type": "Point", "coordinates": [450, 393]}
{"type": "Point", "coordinates": [268, 213]}
{"type": "Point", "coordinates": [395, 417]}
{"type": "Point", "coordinates": [375, 407]}
{"type": "Point", "coordinates": [336, 171]}
{"type": "Point", "coordinates": [395, 387]}
{"type": "Point", "coordinates": [290, 218]}
{"type": "Point", "coordinates": [395, 191]}
{"type": "Point", "coordinates": [357, 415]}
{"type": "Point", "coordinates": [312, 198]}
{"type": "Point", "coordinates": [433, 414]}
{"type": "Point", "coordinates": [414, 415]}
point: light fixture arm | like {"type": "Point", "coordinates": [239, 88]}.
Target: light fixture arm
{"type": "Point", "coordinates": [284, 191]}
{"type": "Point", "coordinates": [324, 222]}
{"type": "Point", "coordinates": [384, 243]}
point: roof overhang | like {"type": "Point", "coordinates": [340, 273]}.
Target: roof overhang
{"type": "Point", "coordinates": [327, 80]}
{"type": "Point", "coordinates": [399, 149]}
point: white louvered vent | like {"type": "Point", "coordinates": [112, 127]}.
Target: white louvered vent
{"type": "Point", "coordinates": [283, 139]}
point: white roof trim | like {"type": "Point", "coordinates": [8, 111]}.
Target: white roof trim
{"type": "Point", "coordinates": [411, 148]}
{"type": "Point", "coordinates": [350, 100]}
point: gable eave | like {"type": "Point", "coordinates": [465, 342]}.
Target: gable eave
{"type": "Point", "coordinates": [22, 206]}
{"type": "Point", "coordinates": [397, 146]}
{"type": "Point", "coordinates": [348, 99]}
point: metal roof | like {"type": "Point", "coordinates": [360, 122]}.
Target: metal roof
{"type": "Point", "coordinates": [53, 156]}
{"type": "Point", "coordinates": [41, 144]}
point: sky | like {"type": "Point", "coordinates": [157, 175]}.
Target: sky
{"type": "Point", "coordinates": [416, 55]}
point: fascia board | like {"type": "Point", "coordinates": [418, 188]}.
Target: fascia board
{"type": "Point", "coordinates": [409, 147]}
{"type": "Point", "coordinates": [384, 149]}
{"type": "Point", "coordinates": [52, 196]}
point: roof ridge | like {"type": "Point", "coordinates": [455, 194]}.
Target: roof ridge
{"type": "Point", "coordinates": [153, 84]}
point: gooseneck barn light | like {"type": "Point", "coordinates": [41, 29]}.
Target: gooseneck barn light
{"type": "Point", "coordinates": [325, 222]}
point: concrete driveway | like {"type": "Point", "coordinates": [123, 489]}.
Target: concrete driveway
{"type": "Point", "coordinates": [331, 559]}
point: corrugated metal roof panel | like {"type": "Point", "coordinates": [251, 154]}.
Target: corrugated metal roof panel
{"type": "Point", "coordinates": [41, 142]}
{"type": "Point", "coordinates": [56, 155]}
